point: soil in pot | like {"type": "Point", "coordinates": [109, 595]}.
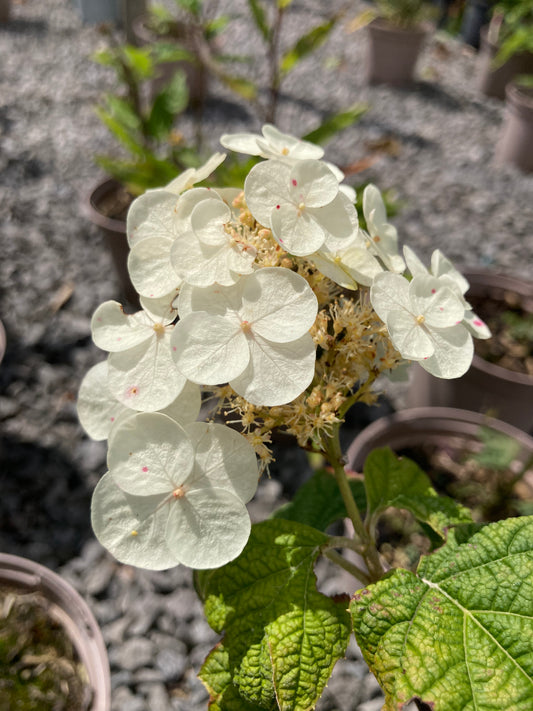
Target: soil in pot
{"type": "Point", "coordinates": [39, 667]}
{"type": "Point", "coordinates": [511, 325]}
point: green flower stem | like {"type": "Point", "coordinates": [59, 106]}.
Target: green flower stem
{"type": "Point", "coordinates": [347, 565]}
{"type": "Point", "coordinates": [366, 547]}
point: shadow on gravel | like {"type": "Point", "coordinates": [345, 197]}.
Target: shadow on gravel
{"type": "Point", "coordinates": [22, 26]}
{"type": "Point", "coordinates": [44, 505]}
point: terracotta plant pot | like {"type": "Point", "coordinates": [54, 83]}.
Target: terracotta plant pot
{"type": "Point", "coordinates": [98, 208]}
{"type": "Point", "coordinates": [493, 81]}
{"type": "Point", "coordinates": [393, 53]}
{"type": "Point", "coordinates": [486, 387]}
{"type": "Point", "coordinates": [65, 606]}
{"type": "Point", "coordinates": [195, 74]}
{"type": "Point", "coordinates": [449, 428]}
{"type": "Point", "coordinates": [515, 144]}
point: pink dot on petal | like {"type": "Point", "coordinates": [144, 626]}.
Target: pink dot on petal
{"type": "Point", "coordinates": [294, 182]}
{"type": "Point", "coordinates": [457, 323]}
{"type": "Point", "coordinates": [278, 207]}
{"type": "Point", "coordinates": [145, 469]}
{"type": "Point", "coordinates": [174, 348]}
{"type": "Point", "coordinates": [441, 308]}
{"type": "Point", "coordinates": [112, 419]}
{"type": "Point", "coordinates": [478, 322]}
{"type": "Point", "coordinates": [433, 291]}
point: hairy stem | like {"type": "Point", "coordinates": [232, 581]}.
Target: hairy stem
{"type": "Point", "coordinates": [347, 565]}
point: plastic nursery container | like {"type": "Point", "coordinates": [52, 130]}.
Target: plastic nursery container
{"type": "Point", "coordinates": [70, 610]}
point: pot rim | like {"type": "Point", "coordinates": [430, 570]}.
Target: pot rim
{"type": "Point", "coordinates": [500, 280]}
{"type": "Point", "coordinates": [71, 610]}
{"type": "Point", "coordinates": [380, 24]}
{"type": "Point", "coordinates": [434, 421]}
{"type": "Point", "coordinates": [89, 206]}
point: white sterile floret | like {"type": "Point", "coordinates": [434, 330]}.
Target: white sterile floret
{"type": "Point", "coordinates": [174, 494]}
{"type": "Point", "coordinates": [444, 270]}
{"type": "Point", "coordinates": [348, 267]}
{"type": "Point", "coordinates": [191, 176]}
{"type": "Point", "coordinates": [254, 335]}
{"type": "Point", "coordinates": [272, 144]}
{"type": "Point", "coordinates": [212, 251]}
{"type": "Point", "coordinates": [382, 239]}
{"type": "Point", "coordinates": [423, 318]}
{"type": "Point", "coordinates": [302, 205]}
{"type": "Point", "coordinates": [142, 374]}
{"type": "Point", "coordinates": [99, 410]}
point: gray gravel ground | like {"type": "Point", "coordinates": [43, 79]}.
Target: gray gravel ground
{"type": "Point", "coordinates": [54, 272]}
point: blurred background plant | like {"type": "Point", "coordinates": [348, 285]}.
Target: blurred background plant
{"type": "Point", "coordinates": [511, 28]}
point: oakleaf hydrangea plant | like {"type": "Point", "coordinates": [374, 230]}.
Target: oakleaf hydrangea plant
{"type": "Point", "coordinates": [278, 310]}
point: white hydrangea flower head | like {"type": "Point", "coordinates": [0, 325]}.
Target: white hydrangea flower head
{"type": "Point", "coordinates": [302, 205]}
{"type": "Point", "coordinates": [175, 494]}
{"type": "Point", "coordinates": [254, 335]}
{"type": "Point", "coordinates": [142, 374]}
{"type": "Point", "coordinates": [211, 250]}
{"type": "Point", "coordinates": [99, 411]}
{"type": "Point", "coordinates": [424, 321]}
{"type": "Point", "coordinates": [272, 144]}
{"type": "Point", "coordinates": [382, 238]}
{"type": "Point", "coordinates": [444, 270]}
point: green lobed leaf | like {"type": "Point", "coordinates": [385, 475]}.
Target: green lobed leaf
{"type": "Point", "coordinates": [307, 44]}
{"type": "Point", "coordinates": [319, 503]}
{"type": "Point", "coordinates": [459, 633]}
{"type": "Point", "coordinates": [216, 676]}
{"type": "Point", "coordinates": [282, 637]}
{"type": "Point", "coordinates": [335, 123]}
{"type": "Point", "coordinates": [398, 481]}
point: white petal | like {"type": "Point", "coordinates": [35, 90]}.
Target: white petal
{"type": "Point", "coordinates": [297, 231]}
{"type": "Point", "coordinates": [349, 267]}
{"type": "Point", "coordinates": [208, 219]}
{"type": "Point", "coordinates": [131, 528]}
{"type": "Point", "coordinates": [476, 326]}
{"type": "Point", "coordinates": [150, 454]}
{"type": "Point", "coordinates": [389, 292]}
{"type": "Point", "coordinates": [265, 187]}
{"type": "Point", "coordinates": [97, 408]}
{"type": "Point", "coordinates": [209, 349]}
{"type": "Point", "coordinates": [439, 305]}
{"type": "Point", "coordinates": [146, 378]}
{"type": "Point", "coordinates": [223, 458]}
{"type": "Point", "coordinates": [207, 528]}
{"type": "Point", "coordinates": [150, 269]}
{"type": "Point", "coordinates": [414, 264]}
{"type": "Point", "coordinates": [339, 222]}
{"type": "Point", "coordinates": [312, 183]}
{"type": "Point", "coordinates": [189, 177]}
{"type": "Point", "coordinates": [277, 372]}
{"type": "Point", "coordinates": [373, 205]}
{"type": "Point", "coordinates": [409, 337]}
{"type": "Point", "coordinates": [161, 310]}
{"type": "Point", "coordinates": [241, 143]}
{"type": "Point", "coordinates": [278, 303]}
{"type": "Point", "coordinates": [113, 330]}
{"type": "Point", "coordinates": [289, 146]}
{"type": "Point", "coordinates": [441, 266]}
{"type": "Point", "coordinates": [454, 350]}
{"type": "Point", "coordinates": [152, 215]}
{"type": "Point", "coordinates": [186, 407]}
{"type": "Point", "coordinates": [214, 299]}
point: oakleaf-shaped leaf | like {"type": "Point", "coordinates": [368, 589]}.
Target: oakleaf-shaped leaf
{"type": "Point", "coordinates": [398, 481]}
{"type": "Point", "coordinates": [319, 503]}
{"type": "Point", "coordinates": [282, 636]}
{"type": "Point", "coordinates": [459, 633]}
